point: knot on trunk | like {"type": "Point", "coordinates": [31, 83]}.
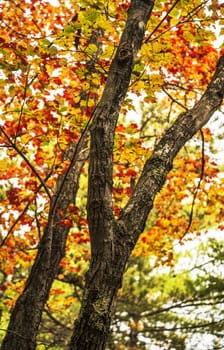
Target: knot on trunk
{"type": "Point", "coordinates": [125, 53]}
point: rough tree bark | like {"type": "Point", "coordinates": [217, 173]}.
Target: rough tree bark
{"type": "Point", "coordinates": [26, 316]}
{"type": "Point", "coordinates": [109, 249]}
{"type": "Point", "coordinates": [113, 240]}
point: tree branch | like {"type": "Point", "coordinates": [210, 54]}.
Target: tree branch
{"type": "Point", "coordinates": [162, 20]}
{"type": "Point", "coordinates": [135, 213]}
{"type": "Point", "coordinates": [186, 19]}
{"type": "Point", "coordinates": [31, 166]}
{"type": "Point", "coordinates": [99, 206]}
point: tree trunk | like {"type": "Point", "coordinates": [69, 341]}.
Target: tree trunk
{"type": "Point", "coordinates": [113, 240]}
{"type": "Point", "coordinates": [110, 244]}
{"type": "Point", "coordinates": [103, 281]}
{"type": "Point", "coordinates": [26, 315]}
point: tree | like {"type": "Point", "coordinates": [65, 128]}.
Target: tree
{"type": "Point", "coordinates": [174, 307]}
{"type": "Point", "coordinates": [51, 80]}
{"type": "Point", "coordinates": [169, 306]}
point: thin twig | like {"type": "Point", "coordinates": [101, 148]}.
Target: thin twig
{"type": "Point", "coordinates": [173, 99]}
{"type": "Point", "coordinates": [185, 20]}
{"type": "Point", "coordinates": [22, 10]}
{"type": "Point", "coordinates": [55, 320]}
{"type": "Point", "coordinates": [23, 103]}
{"type": "Point", "coordinates": [72, 162]}
{"type": "Point", "coordinates": [31, 166]}
{"type": "Point", "coordinates": [7, 330]}
{"type": "Point", "coordinates": [162, 20]}
{"type": "Point", "coordinates": [14, 224]}
{"type": "Point", "coordinates": [22, 213]}
{"type": "Point", "coordinates": [198, 186]}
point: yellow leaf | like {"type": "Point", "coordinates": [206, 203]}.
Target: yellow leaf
{"type": "Point", "coordinates": [3, 164]}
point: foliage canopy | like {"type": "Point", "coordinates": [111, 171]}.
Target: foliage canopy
{"type": "Point", "coordinates": [55, 67]}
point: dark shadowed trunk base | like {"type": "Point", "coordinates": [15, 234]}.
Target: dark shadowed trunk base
{"type": "Point", "coordinates": [92, 328]}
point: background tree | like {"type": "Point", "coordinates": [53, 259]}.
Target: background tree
{"type": "Point", "coordinates": [54, 62]}
{"type": "Point", "coordinates": [172, 307]}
